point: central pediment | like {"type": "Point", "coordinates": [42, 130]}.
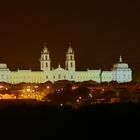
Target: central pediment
{"type": "Point", "coordinates": [59, 69]}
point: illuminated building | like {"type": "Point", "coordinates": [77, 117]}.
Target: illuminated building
{"type": "Point", "coordinates": [120, 72]}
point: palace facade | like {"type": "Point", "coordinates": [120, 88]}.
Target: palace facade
{"type": "Point", "coordinates": [120, 72]}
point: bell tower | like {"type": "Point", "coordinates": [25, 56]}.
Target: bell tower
{"type": "Point", "coordinates": [70, 60]}
{"type": "Point", "coordinates": [45, 62]}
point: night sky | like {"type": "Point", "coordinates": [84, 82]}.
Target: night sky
{"type": "Point", "coordinates": [99, 32]}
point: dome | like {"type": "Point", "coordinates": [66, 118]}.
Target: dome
{"type": "Point", "coordinates": [70, 50]}
{"type": "Point", "coordinates": [120, 65]}
{"type": "Point", "coordinates": [3, 66]}
{"type": "Point", "coordinates": [45, 49]}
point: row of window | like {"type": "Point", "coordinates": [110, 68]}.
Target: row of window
{"type": "Point", "coordinates": [84, 77]}
{"type": "Point", "coordinates": [71, 64]}
{"type": "Point", "coordinates": [45, 65]}
{"type": "Point", "coordinates": [45, 57]}
{"type": "Point", "coordinates": [71, 57]}
{"type": "Point", "coordinates": [59, 77]}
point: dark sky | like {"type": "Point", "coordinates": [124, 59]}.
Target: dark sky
{"type": "Point", "coordinates": [99, 32]}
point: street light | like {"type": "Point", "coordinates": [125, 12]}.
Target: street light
{"type": "Point", "coordinates": [28, 89]}
{"type": "Point", "coordinates": [36, 86]}
{"type": "Point", "coordinates": [80, 98]}
{"type": "Point", "coordinates": [90, 95]}
{"type": "Point", "coordinates": [1, 86]}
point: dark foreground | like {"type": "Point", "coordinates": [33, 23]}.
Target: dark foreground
{"type": "Point", "coordinates": [90, 121]}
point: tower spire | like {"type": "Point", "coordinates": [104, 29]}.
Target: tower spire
{"type": "Point", "coordinates": [120, 59]}
{"type": "Point", "coordinates": [45, 45]}
{"type": "Point", "coordinates": [69, 44]}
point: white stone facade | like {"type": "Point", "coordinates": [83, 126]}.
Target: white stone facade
{"type": "Point", "coordinates": [120, 72]}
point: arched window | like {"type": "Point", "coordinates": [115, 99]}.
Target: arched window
{"type": "Point", "coordinates": [71, 64]}
{"type": "Point", "coordinates": [46, 64]}
{"type": "Point", "coordinates": [71, 57]}
{"type": "Point", "coordinates": [46, 76]}
{"type": "Point", "coordinates": [59, 76]}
